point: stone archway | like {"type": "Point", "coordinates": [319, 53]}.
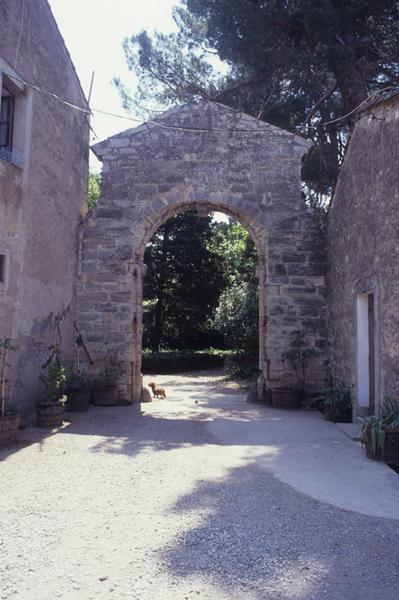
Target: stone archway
{"type": "Point", "coordinates": [206, 157]}
{"type": "Point", "coordinates": [203, 207]}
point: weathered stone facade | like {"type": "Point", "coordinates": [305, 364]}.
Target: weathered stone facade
{"type": "Point", "coordinates": [206, 157]}
{"type": "Point", "coordinates": [363, 260]}
{"type": "Point", "coordinates": [43, 184]}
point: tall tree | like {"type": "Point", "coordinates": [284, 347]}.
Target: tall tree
{"type": "Point", "coordinates": [237, 314]}
{"type": "Point", "coordinates": [184, 280]}
{"type": "Point", "coordinates": [289, 63]}
{"type": "Point", "coordinates": [93, 189]}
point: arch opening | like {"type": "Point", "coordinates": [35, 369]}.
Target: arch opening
{"type": "Point", "coordinates": [240, 291]}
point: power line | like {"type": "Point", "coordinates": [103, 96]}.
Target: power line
{"type": "Point", "coordinates": [364, 103]}
{"type": "Point", "coordinates": [21, 27]}
{"type": "Point", "coordinates": [92, 111]}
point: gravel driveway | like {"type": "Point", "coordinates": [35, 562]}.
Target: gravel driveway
{"type": "Point", "coordinates": [165, 506]}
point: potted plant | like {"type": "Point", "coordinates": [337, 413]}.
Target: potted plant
{"type": "Point", "coordinates": [380, 435]}
{"type": "Point", "coordinates": [105, 392]}
{"type": "Point", "coordinates": [297, 355]}
{"type": "Point", "coordinates": [78, 389]}
{"type": "Point", "coordinates": [78, 392]}
{"type": "Point", "coordinates": [9, 418]}
{"type": "Point", "coordinates": [337, 405]}
{"type": "Point", "coordinates": [51, 407]}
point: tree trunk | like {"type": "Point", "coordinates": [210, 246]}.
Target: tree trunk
{"type": "Point", "coordinates": [352, 86]}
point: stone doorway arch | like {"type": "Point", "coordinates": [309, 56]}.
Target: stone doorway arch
{"type": "Point", "coordinates": [206, 157]}
{"type": "Point", "coordinates": [203, 207]}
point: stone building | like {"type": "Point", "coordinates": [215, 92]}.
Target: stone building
{"type": "Point", "coordinates": [43, 177]}
{"type": "Point", "coordinates": [205, 157]}
{"type": "Point", "coordinates": [363, 259]}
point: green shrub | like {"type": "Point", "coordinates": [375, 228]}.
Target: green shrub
{"type": "Point", "coordinates": [175, 361]}
{"type": "Point", "coordinates": [374, 428]}
{"type": "Point", "coordinates": [242, 365]}
{"type": "Point", "coordinates": [338, 404]}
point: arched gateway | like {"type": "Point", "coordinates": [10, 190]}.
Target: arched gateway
{"type": "Point", "coordinates": [207, 157]}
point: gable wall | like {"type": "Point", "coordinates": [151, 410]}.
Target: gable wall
{"type": "Point", "coordinates": [151, 174]}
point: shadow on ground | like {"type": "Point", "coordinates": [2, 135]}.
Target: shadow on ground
{"type": "Point", "coordinates": [260, 539]}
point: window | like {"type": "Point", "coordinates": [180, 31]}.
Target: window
{"type": "Point", "coordinates": [12, 118]}
{"type": "Point", "coordinates": [6, 123]}
{"type": "Point", "coordinates": [2, 268]}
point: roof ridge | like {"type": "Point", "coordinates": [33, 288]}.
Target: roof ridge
{"type": "Point", "coordinates": [158, 120]}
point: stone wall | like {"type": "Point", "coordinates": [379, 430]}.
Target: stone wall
{"type": "Point", "coordinates": [363, 250]}
{"type": "Point", "coordinates": [42, 200]}
{"type": "Point", "coordinates": [207, 157]}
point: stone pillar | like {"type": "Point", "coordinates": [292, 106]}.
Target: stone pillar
{"type": "Point", "coordinates": [138, 271]}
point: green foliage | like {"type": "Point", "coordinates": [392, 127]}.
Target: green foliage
{"type": "Point", "coordinates": [6, 346]}
{"type": "Point", "coordinates": [183, 283]}
{"type": "Point", "coordinates": [112, 370]}
{"type": "Point", "coordinates": [55, 379]}
{"type": "Point", "coordinates": [285, 62]}
{"type": "Point", "coordinates": [374, 428]}
{"type": "Point", "coordinates": [94, 189]}
{"type": "Point", "coordinates": [77, 380]}
{"type": "Point", "coordinates": [201, 290]}
{"type": "Point", "coordinates": [237, 314]}
{"type": "Point", "coordinates": [175, 361]}
{"type": "Point", "coordinates": [338, 403]}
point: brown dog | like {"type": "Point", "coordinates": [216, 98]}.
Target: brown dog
{"type": "Point", "coordinates": [158, 392]}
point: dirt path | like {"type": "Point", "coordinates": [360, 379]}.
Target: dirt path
{"type": "Point", "coordinates": [185, 502]}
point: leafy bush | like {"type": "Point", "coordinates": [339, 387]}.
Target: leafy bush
{"type": "Point", "coordinates": [242, 365]}
{"type": "Point", "coordinates": [113, 369]}
{"type": "Point", "coordinates": [175, 361]}
{"type": "Point", "coordinates": [237, 319]}
{"type": "Point", "coordinates": [54, 380]}
{"type": "Point", "coordinates": [338, 404]}
{"type": "Point", "coordinates": [374, 428]}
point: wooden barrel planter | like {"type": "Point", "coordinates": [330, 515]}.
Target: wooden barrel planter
{"type": "Point", "coordinates": [78, 400]}
{"type": "Point", "coordinates": [8, 429]}
{"type": "Point", "coordinates": [389, 453]}
{"type": "Point", "coordinates": [286, 398]}
{"type": "Point", "coordinates": [337, 417]}
{"type": "Point", "coordinates": [391, 447]}
{"type": "Point", "coordinates": [50, 413]}
{"type": "Point", "coordinates": [105, 396]}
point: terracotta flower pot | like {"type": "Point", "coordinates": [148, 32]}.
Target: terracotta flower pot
{"type": "Point", "coordinates": [8, 429]}
{"type": "Point", "coordinates": [286, 398]}
{"type": "Point", "coordinates": [50, 413]}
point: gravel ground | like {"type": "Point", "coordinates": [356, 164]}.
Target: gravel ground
{"type": "Point", "coordinates": [117, 507]}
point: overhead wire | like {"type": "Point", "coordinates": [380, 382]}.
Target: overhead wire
{"type": "Point", "coordinates": [21, 27]}
{"type": "Point", "coordinates": [91, 111]}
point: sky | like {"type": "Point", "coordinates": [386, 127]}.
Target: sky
{"type": "Point", "coordinates": [93, 31]}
